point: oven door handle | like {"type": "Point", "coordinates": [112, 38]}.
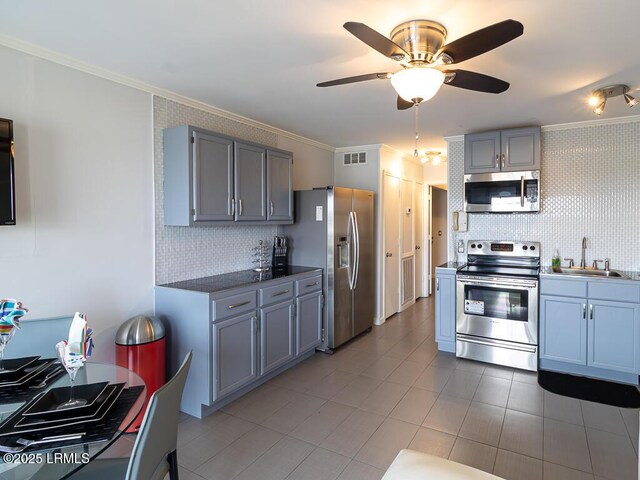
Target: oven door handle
{"type": "Point", "coordinates": [510, 346]}
{"type": "Point", "coordinates": [481, 283]}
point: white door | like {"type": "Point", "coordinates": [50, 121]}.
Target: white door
{"type": "Point", "coordinates": [391, 193]}
{"type": "Point", "coordinates": [407, 240]}
{"type": "Point", "coordinates": [419, 234]}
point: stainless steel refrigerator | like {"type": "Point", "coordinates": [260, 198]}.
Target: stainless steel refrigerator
{"type": "Point", "coordinates": [334, 230]}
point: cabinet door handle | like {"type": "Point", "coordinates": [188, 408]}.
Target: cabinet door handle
{"type": "Point", "coordinates": [584, 311]}
{"type": "Point", "coordinates": [312, 284]}
{"type": "Point", "coordinates": [271, 207]}
{"type": "Point", "coordinates": [280, 293]}
{"type": "Point", "coordinates": [233, 207]}
{"type": "Point", "coordinates": [503, 160]}
{"type": "Point", "coordinates": [239, 206]}
{"type": "Point", "coordinates": [591, 311]}
{"type": "Point", "coordinates": [521, 191]}
{"type": "Point", "coordinates": [238, 305]}
{"type": "Point", "coordinates": [497, 160]}
{"type": "Point", "coordinates": [437, 284]}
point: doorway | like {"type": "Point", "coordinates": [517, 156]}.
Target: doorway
{"type": "Point", "coordinates": [440, 237]}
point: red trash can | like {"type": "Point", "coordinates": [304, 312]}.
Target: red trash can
{"type": "Point", "coordinates": [141, 347]}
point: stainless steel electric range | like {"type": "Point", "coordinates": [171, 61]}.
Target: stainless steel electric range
{"type": "Point", "coordinates": [497, 303]}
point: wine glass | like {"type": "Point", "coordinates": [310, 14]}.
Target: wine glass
{"type": "Point", "coordinates": [6, 334]}
{"type": "Point", "coordinates": [72, 362]}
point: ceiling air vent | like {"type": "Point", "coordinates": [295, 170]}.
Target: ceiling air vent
{"type": "Point", "coordinates": [355, 158]}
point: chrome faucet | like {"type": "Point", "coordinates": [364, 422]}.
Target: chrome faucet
{"type": "Point", "coordinates": [583, 263]}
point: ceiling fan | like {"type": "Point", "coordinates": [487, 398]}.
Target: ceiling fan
{"type": "Point", "coordinates": [419, 46]}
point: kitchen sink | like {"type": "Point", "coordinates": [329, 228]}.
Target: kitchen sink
{"type": "Point", "coordinates": [589, 272]}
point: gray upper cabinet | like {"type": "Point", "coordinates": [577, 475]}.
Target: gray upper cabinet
{"type": "Point", "coordinates": [511, 150]}
{"type": "Point", "coordinates": [482, 152]}
{"type": "Point", "coordinates": [520, 149]}
{"type": "Point", "coordinates": [279, 186]}
{"type": "Point", "coordinates": [250, 175]}
{"type": "Point", "coordinates": [212, 179]}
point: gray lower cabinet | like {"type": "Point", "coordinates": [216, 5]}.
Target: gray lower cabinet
{"type": "Point", "coordinates": [250, 174]}
{"type": "Point", "coordinates": [241, 336]}
{"type": "Point", "coordinates": [512, 150]}
{"type": "Point", "coordinates": [279, 186]}
{"type": "Point", "coordinates": [308, 322]}
{"type": "Point", "coordinates": [590, 327]}
{"type": "Point", "coordinates": [563, 329]}
{"type": "Point", "coordinates": [276, 336]}
{"type": "Point", "coordinates": [212, 179]}
{"type": "Point", "coordinates": [614, 336]}
{"type": "Point", "coordinates": [235, 344]}
{"type": "Point", "coordinates": [446, 311]}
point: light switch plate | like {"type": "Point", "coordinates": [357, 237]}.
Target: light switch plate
{"type": "Point", "coordinates": [318, 213]}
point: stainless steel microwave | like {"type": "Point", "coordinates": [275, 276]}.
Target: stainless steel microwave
{"type": "Point", "coordinates": [502, 192]}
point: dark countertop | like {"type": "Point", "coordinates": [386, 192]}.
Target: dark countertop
{"type": "Point", "coordinates": [546, 270]}
{"type": "Point", "coordinates": [452, 265]}
{"type": "Point", "coordinates": [228, 281]}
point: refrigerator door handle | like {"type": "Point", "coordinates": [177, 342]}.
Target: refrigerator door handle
{"type": "Point", "coordinates": [350, 251]}
{"type": "Point", "coordinates": [357, 252]}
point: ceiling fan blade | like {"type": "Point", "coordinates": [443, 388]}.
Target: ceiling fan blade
{"type": "Point", "coordinates": [475, 81]}
{"type": "Point", "coordinates": [357, 78]}
{"type": "Point", "coordinates": [482, 40]}
{"type": "Point", "coordinates": [377, 41]}
{"type": "Point", "coordinates": [403, 104]}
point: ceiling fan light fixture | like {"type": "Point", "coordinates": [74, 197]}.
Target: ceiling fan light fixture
{"type": "Point", "coordinates": [631, 100]}
{"type": "Point", "coordinates": [417, 84]}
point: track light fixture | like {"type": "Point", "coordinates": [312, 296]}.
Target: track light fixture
{"type": "Point", "coordinates": [598, 99]}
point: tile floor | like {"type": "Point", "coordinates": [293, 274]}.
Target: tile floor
{"type": "Point", "coordinates": [346, 416]}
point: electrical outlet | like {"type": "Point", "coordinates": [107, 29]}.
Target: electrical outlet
{"type": "Point", "coordinates": [460, 246]}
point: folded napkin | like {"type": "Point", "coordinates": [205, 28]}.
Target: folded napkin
{"type": "Point", "coordinates": [11, 311]}
{"type": "Point", "coordinates": [79, 346]}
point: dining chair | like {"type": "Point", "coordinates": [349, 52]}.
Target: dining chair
{"type": "Point", "coordinates": [154, 451]}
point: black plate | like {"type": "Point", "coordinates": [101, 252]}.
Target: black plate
{"type": "Point", "coordinates": [28, 374]}
{"type": "Point", "coordinates": [14, 367]}
{"type": "Point", "coordinates": [8, 427]}
{"type": "Point", "coordinates": [78, 414]}
{"type": "Point", "coordinates": [47, 404]}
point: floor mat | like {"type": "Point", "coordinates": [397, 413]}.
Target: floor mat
{"type": "Point", "coordinates": [582, 388]}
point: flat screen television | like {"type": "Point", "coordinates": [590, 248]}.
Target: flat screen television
{"type": "Point", "coordinates": [7, 174]}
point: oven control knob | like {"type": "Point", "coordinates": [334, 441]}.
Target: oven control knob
{"type": "Point", "coordinates": [479, 245]}
{"type": "Point", "coordinates": [473, 245]}
{"type": "Point", "coordinates": [532, 247]}
{"type": "Point", "coordinates": [524, 247]}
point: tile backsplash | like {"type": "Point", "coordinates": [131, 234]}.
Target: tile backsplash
{"type": "Point", "coordinates": [183, 253]}
{"type": "Point", "coordinates": [590, 187]}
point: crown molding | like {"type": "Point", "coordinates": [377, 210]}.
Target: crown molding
{"type": "Point", "coordinates": [454, 138]}
{"type": "Point", "coordinates": [596, 122]}
{"type": "Point", "coordinates": [71, 62]}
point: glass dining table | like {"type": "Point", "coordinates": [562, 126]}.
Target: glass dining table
{"type": "Point", "coordinates": [62, 462]}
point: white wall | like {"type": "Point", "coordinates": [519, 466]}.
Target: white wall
{"type": "Point", "coordinates": [84, 180]}
{"type": "Point", "coordinates": [435, 174]}
{"type": "Point", "coordinates": [312, 166]}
